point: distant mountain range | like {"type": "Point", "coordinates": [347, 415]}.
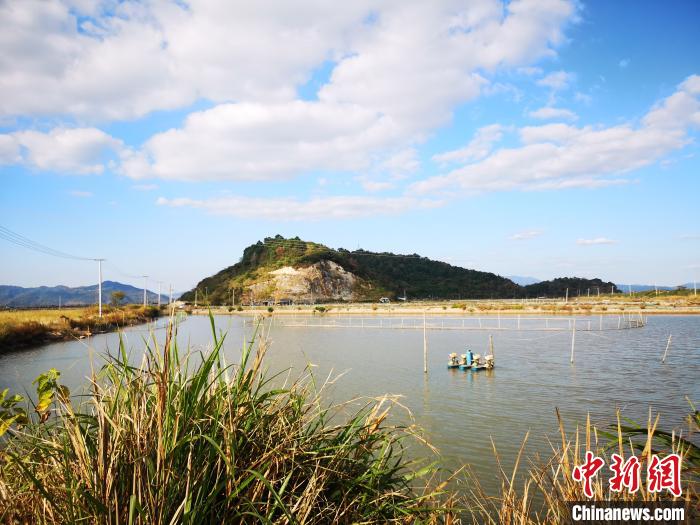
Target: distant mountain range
{"type": "Point", "coordinates": [522, 280]}
{"type": "Point", "coordinates": [17, 296]}
{"type": "Point", "coordinates": [648, 287]}
{"type": "Point", "coordinates": [624, 288]}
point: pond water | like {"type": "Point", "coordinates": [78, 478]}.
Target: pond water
{"type": "Point", "coordinates": [460, 412]}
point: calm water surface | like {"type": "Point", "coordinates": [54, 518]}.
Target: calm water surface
{"type": "Point", "coordinates": [460, 411]}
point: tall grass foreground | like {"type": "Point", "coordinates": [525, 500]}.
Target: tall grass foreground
{"type": "Point", "coordinates": [184, 438]}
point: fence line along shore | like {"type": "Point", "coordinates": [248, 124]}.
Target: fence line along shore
{"type": "Point", "coordinates": [451, 309]}
{"type": "Point", "coordinates": [533, 324]}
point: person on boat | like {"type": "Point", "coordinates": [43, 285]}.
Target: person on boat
{"type": "Point", "coordinates": [470, 356]}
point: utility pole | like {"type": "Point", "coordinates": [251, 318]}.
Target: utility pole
{"type": "Point", "coordinates": [145, 282]}
{"type": "Point", "coordinates": [159, 284]}
{"type": "Point", "coordinates": [195, 297]}
{"type": "Point", "coordinates": [566, 300]}
{"type": "Point", "coordinates": [99, 284]}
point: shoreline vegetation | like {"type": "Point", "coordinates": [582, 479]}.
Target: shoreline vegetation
{"type": "Point", "coordinates": [26, 328]}
{"type": "Point", "coordinates": [185, 438]}
{"type": "Point", "coordinates": [646, 304]}
{"type": "Point", "coordinates": [21, 329]}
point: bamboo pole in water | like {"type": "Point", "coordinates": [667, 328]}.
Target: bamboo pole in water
{"type": "Point", "coordinates": [668, 345]}
{"type": "Point", "coordinates": [425, 348]}
{"type": "Point", "coordinates": [573, 340]}
{"type": "Point", "coordinates": [491, 345]}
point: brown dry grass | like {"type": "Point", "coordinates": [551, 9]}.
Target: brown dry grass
{"type": "Point", "coordinates": [547, 486]}
{"type": "Point", "coordinates": [22, 328]}
{"type": "Point", "coordinates": [42, 316]}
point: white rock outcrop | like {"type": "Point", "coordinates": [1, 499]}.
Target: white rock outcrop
{"type": "Point", "coordinates": [324, 280]}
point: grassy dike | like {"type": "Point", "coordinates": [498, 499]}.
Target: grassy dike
{"type": "Point", "coordinates": [185, 438]}
{"type": "Point", "coordinates": [26, 328]}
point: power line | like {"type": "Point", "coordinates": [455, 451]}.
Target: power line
{"type": "Point", "coordinates": [21, 240]}
{"type": "Point", "coordinates": [121, 272]}
{"type": "Point", "coordinates": [25, 242]}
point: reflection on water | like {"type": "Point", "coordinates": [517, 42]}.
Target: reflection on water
{"type": "Point", "coordinates": [461, 411]}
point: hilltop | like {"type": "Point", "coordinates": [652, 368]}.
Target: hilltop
{"type": "Point", "coordinates": [282, 269]}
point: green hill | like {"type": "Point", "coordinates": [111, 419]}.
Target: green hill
{"type": "Point", "coordinates": [577, 286]}
{"type": "Point", "coordinates": [301, 271]}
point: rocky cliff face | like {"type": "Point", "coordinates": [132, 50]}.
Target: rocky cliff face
{"type": "Point", "coordinates": [322, 281]}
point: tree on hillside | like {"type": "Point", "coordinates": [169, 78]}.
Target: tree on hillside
{"type": "Point", "coordinates": [116, 298]}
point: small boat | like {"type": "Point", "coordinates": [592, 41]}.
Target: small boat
{"type": "Point", "coordinates": [486, 363]}
{"type": "Point", "coordinates": [467, 361]}
{"type": "Point", "coordinates": [471, 361]}
{"type": "Point", "coordinates": [453, 362]}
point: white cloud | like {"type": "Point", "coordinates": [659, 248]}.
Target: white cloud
{"type": "Point", "coordinates": [525, 235]}
{"type": "Point", "coordinates": [680, 109]}
{"type": "Point", "coordinates": [479, 147]}
{"type": "Point", "coordinates": [374, 186]}
{"type": "Point", "coordinates": [80, 194]}
{"type": "Point", "coordinates": [79, 151]}
{"type": "Point", "coordinates": [375, 102]}
{"type": "Point", "coordinates": [291, 209]}
{"type": "Point", "coordinates": [251, 141]}
{"type": "Point", "coordinates": [499, 88]}
{"type": "Point", "coordinates": [596, 241]}
{"type": "Point", "coordinates": [564, 156]}
{"type": "Point", "coordinates": [530, 70]}
{"type": "Point", "coordinates": [557, 81]}
{"type": "Point", "coordinates": [162, 55]}
{"type": "Point", "coordinates": [421, 58]}
{"type": "Point", "coordinates": [583, 98]}
{"type": "Point", "coordinates": [411, 60]}
{"type": "Point", "coordinates": [401, 163]}
{"type": "Point", "coordinates": [398, 70]}
{"type": "Point", "coordinates": [9, 150]}
{"type": "Point", "coordinates": [385, 174]}
{"type": "Point", "coordinates": [624, 63]}
{"type": "Point", "coordinates": [144, 187]}
{"type": "Point", "coordinates": [691, 237]}
{"type": "Point", "coordinates": [548, 113]}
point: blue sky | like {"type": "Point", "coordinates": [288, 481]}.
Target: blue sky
{"type": "Point", "coordinates": [532, 137]}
